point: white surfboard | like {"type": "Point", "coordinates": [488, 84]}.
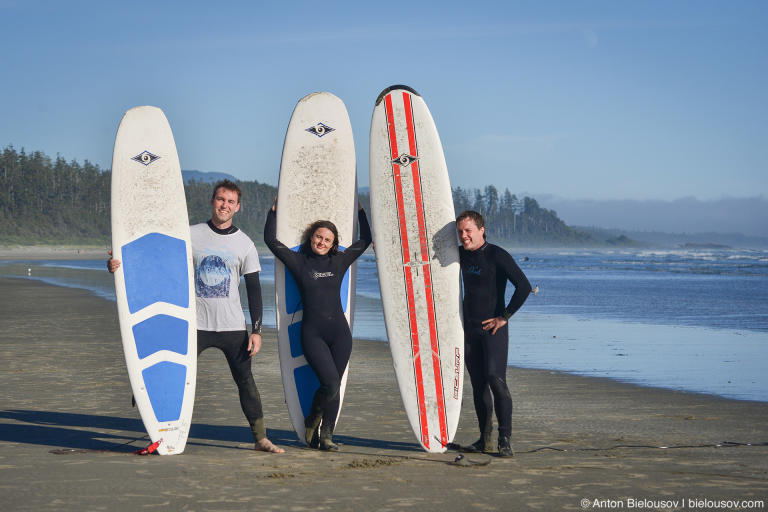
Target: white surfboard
{"type": "Point", "coordinates": [154, 285]}
{"type": "Point", "coordinates": [317, 181]}
{"type": "Point", "coordinates": [418, 263]}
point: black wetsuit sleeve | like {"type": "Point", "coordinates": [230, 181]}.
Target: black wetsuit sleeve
{"type": "Point", "coordinates": [515, 276]}
{"type": "Point", "coordinates": [352, 252]}
{"type": "Point", "coordinates": [279, 249]}
{"type": "Point", "coordinates": [253, 290]}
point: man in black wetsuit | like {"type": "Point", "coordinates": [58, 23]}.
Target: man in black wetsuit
{"type": "Point", "coordinates": [222, 253]}
{"type": "Point", "coordinates": [485, 270]}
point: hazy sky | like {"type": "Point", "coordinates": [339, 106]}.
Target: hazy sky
{"type": "Point", "coordinates": [580, 99]}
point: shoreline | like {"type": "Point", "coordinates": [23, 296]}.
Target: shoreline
{"type": "Point", "coordinates": [10, 251]}
{"type": "Point", "coordinates": [52, 252]}
{"type": "Point", "coordinates": [272, 332]}
{"type": "Point", "coordinates": [537, 331]}
{"type": "Point", "coordinates": [67, 425]}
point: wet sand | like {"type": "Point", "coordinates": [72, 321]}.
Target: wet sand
{"type": "Point", "coordinates": [67, 433]}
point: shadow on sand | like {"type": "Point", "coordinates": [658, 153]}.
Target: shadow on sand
{"type": "Point", "coordinates": [115, 434]}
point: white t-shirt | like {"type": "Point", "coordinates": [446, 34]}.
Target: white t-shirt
{"type": "Point", "coordinates": [219, 261]}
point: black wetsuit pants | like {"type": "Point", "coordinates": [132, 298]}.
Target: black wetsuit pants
{"type": "Point", "coordinates": [327, 344]}
{"type": "Point", "coordinates": [234, 344]}
{"type": "Point", "coordinates": [486, 358]}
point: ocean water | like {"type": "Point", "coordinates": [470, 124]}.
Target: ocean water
{"type": "Point", "coordinates": [694, 320]}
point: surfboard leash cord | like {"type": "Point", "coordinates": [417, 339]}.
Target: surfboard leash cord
{"type": "Point", "coordinates": [143, 451]}
{"type": "Point", "coordinates": [723, 444]}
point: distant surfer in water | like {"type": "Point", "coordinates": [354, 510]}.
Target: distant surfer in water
{"type": "Point", "coordinates": [222, 253]}
{"type": "Point", "coordinates": [318, 269]}
{"type": "Point", "coordinates": [485, 270]}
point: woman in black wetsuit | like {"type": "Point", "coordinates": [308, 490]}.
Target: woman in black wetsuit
{"type": "Point", "coordinates": [318, 269]}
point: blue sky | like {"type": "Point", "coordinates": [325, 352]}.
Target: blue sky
{"type": "Point", "coordinates": [578, 99]}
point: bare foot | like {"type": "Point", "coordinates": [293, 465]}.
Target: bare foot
{"type": "Point", "coordinates": [265, 445]}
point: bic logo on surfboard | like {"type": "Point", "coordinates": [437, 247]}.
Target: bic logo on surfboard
{"type": "Point", "coordinates": [145, 158]}
{"type": "Point", "coordinates": [405, 160]}
{"type": "Point", "coordinates": [320, 129]}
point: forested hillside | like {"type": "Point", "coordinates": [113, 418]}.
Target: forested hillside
{"type": "Point", "coordinates": [45, 200]}
{"type": "Point", "coordinates": [523, 221]}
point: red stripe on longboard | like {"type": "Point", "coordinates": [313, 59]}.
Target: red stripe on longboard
{"type": "Point", "coordinates": [408, 276]}
{"type": "Point", "coordinates": [427, 269]}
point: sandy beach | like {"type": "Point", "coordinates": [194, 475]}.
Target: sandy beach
{"type": "Point", "coordinates": [67, 433]}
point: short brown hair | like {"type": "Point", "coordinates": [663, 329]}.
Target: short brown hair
{"type": "Point", "coordinates": [227, 185]}
{"type": "Point", "coordinates": [474, 217]}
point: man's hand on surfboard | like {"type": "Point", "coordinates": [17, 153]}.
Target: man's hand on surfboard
{"type": "Point", "coordinates": [112, 263]}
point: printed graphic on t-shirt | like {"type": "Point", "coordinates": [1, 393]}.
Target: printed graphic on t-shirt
{"type": "Point", "coordinates": [212, 278]}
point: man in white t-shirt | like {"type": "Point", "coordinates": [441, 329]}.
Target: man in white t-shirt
{"type": "Point", "coordinates": [222, 254]}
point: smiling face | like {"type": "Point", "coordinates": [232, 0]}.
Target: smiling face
{"type": "Point", "coordinates": [470, 236]}
{"type": "Point", "coordinates": [225, 204]}
{"type": "Point", "coordinates": [322, 241]}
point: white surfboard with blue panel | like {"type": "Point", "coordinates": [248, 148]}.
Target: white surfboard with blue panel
{"type": "Point", "coordinates": [154, 285]}
{"type": "Point", "coordinates": [317, 181]}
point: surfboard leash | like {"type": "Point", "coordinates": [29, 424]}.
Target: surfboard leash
{"type": "Point", "coordinates": [149, 449]}
{"type": "Point", "coordinates": [143, 451]}
{"type": "Point", "coordinates": [723, 444]}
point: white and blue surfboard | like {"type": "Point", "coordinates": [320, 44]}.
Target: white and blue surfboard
{"type": "Point", "coordinates": [317, 181]}
{"type": "Point", "coordinates": [154, 285]}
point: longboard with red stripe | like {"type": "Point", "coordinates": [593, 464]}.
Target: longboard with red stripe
{"type": "Point", "coordinates": [418, 263]}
